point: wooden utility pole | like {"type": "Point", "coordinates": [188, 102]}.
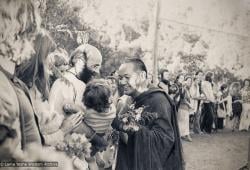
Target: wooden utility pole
{"type": "Point", "coordinates": [155, 45]}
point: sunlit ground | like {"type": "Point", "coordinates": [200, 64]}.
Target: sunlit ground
{"type": "Point", "coordinates": [225, 150]}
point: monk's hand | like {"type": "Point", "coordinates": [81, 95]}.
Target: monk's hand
{"type": "Point", "coordinates": [125, 127]}
{"type": "Point", "coordinates": [71, 122]}
{"type": "Point", "coordinates": [130, 129]}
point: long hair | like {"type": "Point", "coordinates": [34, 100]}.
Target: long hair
{"type": "Point", "coordinates": [186, 78]}
{"type": "Point", "coordinates": [245, 82]}
{"type": "Point", "coordinates": [180, 92]}
{"type": "Point", "coordinates": [20, 21]}
{"type": "Point", "coordinates": [223, 87]}
{"type": "Point", "coordinates": [33, 72]}
{"type": "Point", "coordinates": [208, 77]}
{"type": "Point", "coordinates": [178, 77]}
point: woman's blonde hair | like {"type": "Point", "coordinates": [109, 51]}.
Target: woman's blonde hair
{"type": "Point", "coordinates": [20, 21]}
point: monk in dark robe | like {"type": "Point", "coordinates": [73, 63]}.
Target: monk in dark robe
{"type": "Point", "coordinates": [156, 145]}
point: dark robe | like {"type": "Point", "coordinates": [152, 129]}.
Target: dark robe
{"type": "Point", "coordinates": [155, 146]}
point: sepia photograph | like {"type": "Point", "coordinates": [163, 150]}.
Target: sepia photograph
{"type": "Point", "coordinates": [124, 85]}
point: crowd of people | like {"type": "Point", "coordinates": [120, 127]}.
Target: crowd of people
{"type": "Point", "coordinates": [204, 106]}
{"type": "Point", "coordinates": [56, 106]}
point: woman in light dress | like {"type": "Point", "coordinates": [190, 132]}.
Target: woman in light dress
{"type": "Point", "coordinates": [245, 116]}
{"type": "Point", "coordinates": [185, 109]}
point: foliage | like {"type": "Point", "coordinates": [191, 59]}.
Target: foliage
{"type": "Point", "coordinates": [223, 75]}
{"type": "Point", "coordinates": [192, 61]}
{"type": "Point", "coordinates": [64, 24]}
{"type": "Point", "coordinates": [130, 33]}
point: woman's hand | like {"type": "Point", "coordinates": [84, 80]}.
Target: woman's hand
{"type": "Point", "coordinates": [70, 108]}
{"type": "Point", "coordinates": [71, 122]}
{"type": "Point", "coordinates": [46, 118]}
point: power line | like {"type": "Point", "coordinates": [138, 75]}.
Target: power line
{"type": "Point", "coordinates": [209, 29]}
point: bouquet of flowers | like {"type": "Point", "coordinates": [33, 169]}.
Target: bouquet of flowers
{"type": "Point", "coordinates": [134, 118]}
{"type": "Point", "coordinates": [75, 145]}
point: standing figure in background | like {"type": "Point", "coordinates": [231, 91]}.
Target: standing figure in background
{"type": "Point", "coordinates": [236, 104]}
{"type": "Point", "coordinates": [207, 112]}
{"type": "Point", "coordinates": [165, 83]}
{"type": "Point", "coordinates": [198, 97]}
{"type": "Point", "coordinates": [245, 116]}
{"type": "Point", "coordinates": [195, 92]}
{"type": "Point", "coordinates": [173, 90]}
{"type": "Point", "coordinates": [184, 110]}
{"type": "Point", "coordinates": [224, 110]}
{"type": "Point", "coordinates": [179, 82]}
